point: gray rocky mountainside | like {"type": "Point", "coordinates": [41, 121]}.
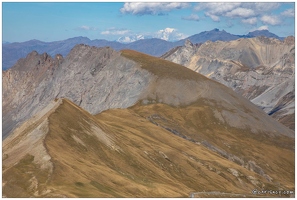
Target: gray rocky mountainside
{"type": "Point", "coordinates": [99, 79]}
{"type": "Point", "coordinates": [103, 123]}
{"type": "Point", "coordinates": [261, 69]}
{"type": "Point", "coordinates": [11, 52]}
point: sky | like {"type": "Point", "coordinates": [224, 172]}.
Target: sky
{"type": "Point", "coordinates": [127, 22]}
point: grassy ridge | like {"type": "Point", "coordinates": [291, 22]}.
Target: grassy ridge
{"type": "Point", "coordinates": [161, 67]}
{"type": "Point", "coordinates": [147, 159]}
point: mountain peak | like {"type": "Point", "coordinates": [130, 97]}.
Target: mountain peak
{"type": "Point", "coordinates": [84, 48]}
{"type": "Point", "coordinates": [80, 37]}
{"type": "Point", "coordinates": [264, 32]}
{"type": "Point", "coordinates": [188, 43]}
{"type": "Point", "coordinates": [33, 53]}
{"type": "Point", "coordinates": [290, 40]}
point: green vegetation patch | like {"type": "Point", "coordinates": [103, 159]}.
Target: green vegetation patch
{"type": "Point", "coordinates": [79, 184]}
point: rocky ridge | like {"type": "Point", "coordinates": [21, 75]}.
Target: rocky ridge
{"type": "Point", "coordinates": [260, 69]}
{"type": "Point", "coordinates": [148, 122]}
{"type": "Point", "coordinates": [99, 79]}
{"type": "Point", "coordinates": [95, 78]}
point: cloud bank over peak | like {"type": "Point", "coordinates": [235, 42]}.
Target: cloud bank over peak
{"type": "Point", "coordinates": [170, 34]}
{"type": "Point", "coordinates": [132, 38]}
{"type": "Point", "coordinates": [261, 28]}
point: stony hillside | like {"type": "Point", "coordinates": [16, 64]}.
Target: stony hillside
{"type": "Point", "coordinates": [94, 78]}
{"type": "Point", "coordinates": [99, 79]}
{"type": "Point", "coordinates": [102, 123]}
{"type": "Point", "coordinates": [260, 69]}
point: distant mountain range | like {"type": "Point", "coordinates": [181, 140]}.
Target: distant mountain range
{"type": "Point", "coordinates": [11, 52]}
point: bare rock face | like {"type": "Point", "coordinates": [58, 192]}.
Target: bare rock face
{"type": "Point", "coordinates": [94, 78]}
{"type": "Point", "coordinates": [99, 79]}
{"type": "Point", "coordinates": [260, 69]}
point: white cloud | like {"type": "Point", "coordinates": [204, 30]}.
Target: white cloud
{"type": "Point", "coordinates": [213, 17]}
{"type": "Point", "coordinates": [270, 19]}
{"type": "Point", "coordinates": [240, 12]}
{"type": "Point", "coordinates": [251, 21]}
{"type": "Point", "coordinates": [85, 28]}
{"type": "Point", "coordinates": [151, 8]}
{"type": "Point", "coordinates": [261, 28]}
{"type": "Point", "coordinates": [289, 13]}
{"type": "Point", "coordinates": [217, 8]}
{"type": "Point", "coordinates": [169, 34]}
{"type": "Point", "coordinates": [192, 17]}
{"type": "Point", "coordinates": [115, 31]}
{"type": "Point", "coordinates": [244, 11]}
{"type": "Point", "coordinates": [264, 7]}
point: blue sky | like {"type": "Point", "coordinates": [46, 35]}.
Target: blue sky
{"type": "Point", "coordinates": [131, 21]}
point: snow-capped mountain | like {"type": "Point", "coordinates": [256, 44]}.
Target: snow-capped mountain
{"type": "Point", "coordinates": [133, 38]}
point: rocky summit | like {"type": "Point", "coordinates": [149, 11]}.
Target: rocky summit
{"type": "Point", "coordinates": [261, 69]}
{"type": "Point", "coordinates": [102, 123]}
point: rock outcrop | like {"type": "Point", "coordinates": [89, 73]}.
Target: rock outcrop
{"type": "Point", "coordinates": [96, 79]}
{"type": "Point", "coordinates": [260, 69]}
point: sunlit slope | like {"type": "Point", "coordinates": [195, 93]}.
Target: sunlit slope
{"type": "Point", "coordinates": [185, 133]}
{"type": "Point", "coordinates": [261, 69]}
{"type": "Point", "coordinates": [267, 155]}
{"type": "Point", "coordinates": [124, 153]}
{"type": "Point", "coordinates": [178, 86]}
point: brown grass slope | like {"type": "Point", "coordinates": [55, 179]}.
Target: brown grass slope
{"type": "Point", "coordinates": [266, 155]}
{"type": "Point", "coordinates": [126, 153]}
{"type": "Point", "coordinates": [186, 134]}
{"type": "Point", "coordinates": [160, 67]}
